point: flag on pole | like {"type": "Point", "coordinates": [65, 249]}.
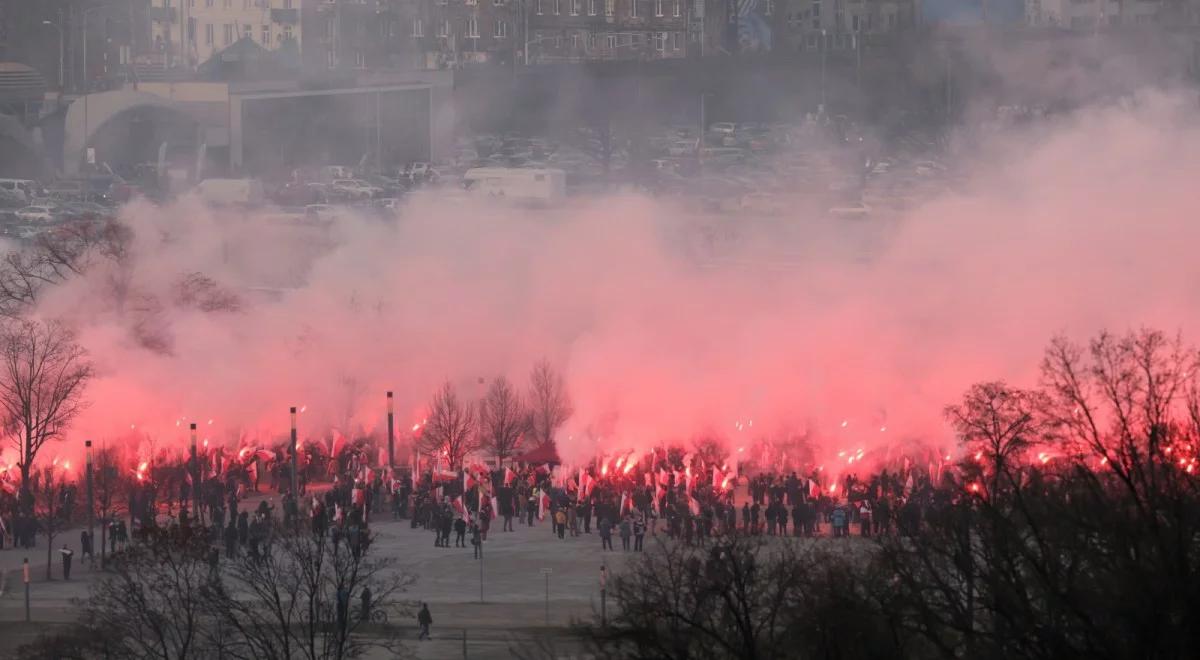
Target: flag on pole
{"type": "Point", "coordinates": [509, 476]}
{"type": "Point", "coordinates": [718, 478]}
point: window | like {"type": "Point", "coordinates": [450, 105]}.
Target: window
{"type": "Point", "coordinates": [208, 3]}
{"type": "Point", "coordinates": [330, 59]}
{"type": "Point", "coordinates": [589, 40]}
{"type": "Point", "coordinates": [360, 59]}
{"type": "Point", "coordinates": [208, 34]}
{"type": "Point", "coordinates": [612, 41]}
{"type": "Point", "coordinates": [498, 3]}
{"type": "Point", "coordinates": [658, 8]}
{"type": "Point", "coordinates": [287, 4]}
{"type": "Point", "coordinates": [443, 29]}
{"type": "Point", "coordinates": [816, 10]}
{"type": "Point", "coordinates": [770, 8]}
{"type": "Point", "coordinates": [660, 41]}
{"type": "Point", "coordinates": [675, 40]}
{"type": "Point", "coordinates": [609, 6]}
{"type": "Point", "coordinates": [591, 7]}
{"type": "Point", "coordinates": [557, 7]}
{"type": "Point", "coordinates": [228, 3]}
{"type": "Point", "coordinates": [854, 23]}
{"type": "Point", "coordinates": [501, 29]}
{"type": "Point", "coordinates": [472, 2]}
{"type": "Point", "coordinates": [539, 7]}
{"type": "Point", "coordinates": [472, 28]}
{"type": "Point", "coordinates": [417, 29]}
{"type": "Point", "coordinates": [633, 8]}
{"type": "Point", "coordinates": [247, 31]}
{"type": "Point", "coordinates": [575, 6]}
{"type": "Point", "coordinates": [678, 9]}
{"type": "Point", "coordinates": [287, 33]}
{"type": "Point", "coordinates": [574, 41]}
{"type": "Point", "coordinates": [266, 35]}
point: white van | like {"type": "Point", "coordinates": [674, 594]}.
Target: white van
{"type": "Point", "coordinates": [18, 190]}
{"type": "Point", "coordinates": [527, 186]}
{"type": "Point", "coordinates": [222, 192]}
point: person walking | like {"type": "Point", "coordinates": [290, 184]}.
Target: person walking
{"type": "Point", "coordinates": [626, 532]}
{"type": "Point", "coordinates": [231, 537]}
{"type": "Point", "coordinates": [424, 619]}
{"type": "Point", "coordinates": [560, 523]}
{"type": "Point", "coordinates": [605, 529]}
{"type": "Point", "coordinates": [66, 560]}
{"type": "Point", "coordinates": [639, 533]}
{"type": "Point", "coordinates": [476, 539]}
{"type": "Point", "coordinates": [460, 533]}
{"type": "Point", "coordinates": [85, 546]}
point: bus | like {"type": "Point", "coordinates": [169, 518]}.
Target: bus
{"type": "Point", "coordinates": [520, 185]}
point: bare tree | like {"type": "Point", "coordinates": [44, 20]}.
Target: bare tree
{"type": "Point", "coordinates": [43, 374]}
{"type": "Point", "coordinates": [56, 257]}
{"type": "Point", "coordinates": [53, 501]}
{"type": "Point", "coordinates": [1000, 423]}
{"type": "Point", "coordinates": [744, 597]}
{"type": "Point", "coordinates": [285, 605]}
{"type": "Point", "coordinates": [110, 485]}
{"type": "Point", "coordinates": [549, 403]}
{"type": "Point", "coordinates": [503, 419]}
{"type": "Point", "coordinates": [450, 429]}
{"type": "Point", "coordinates": [154, 604]}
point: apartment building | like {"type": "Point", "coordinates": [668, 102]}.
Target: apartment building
{"type": "Point", "coordinates": [206, 27]}
{"type": "Point", "coordinates": [842, 24]}
{"type": "Point", "coordinates": [579, 30]}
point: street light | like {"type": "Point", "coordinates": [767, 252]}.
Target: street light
{"type": "Point", "coordinates": [824, 50]}
{"type": "Point", "coordinates": [61, 53]}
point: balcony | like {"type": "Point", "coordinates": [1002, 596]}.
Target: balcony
{"type": "Point", "coordinates": [285, 16]}
{"type": "Point", "coordinates": [162, 14]}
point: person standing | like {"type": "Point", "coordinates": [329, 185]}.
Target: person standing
{"type": "Point", "coordinates": [476, 539]}
{"type": "Point", "coordinates": [460, 533]}
{"type": "Point", "coordinates": [639, 533]}
{"type": "Point", "coordinates": [626, 532]}
{"type": "Point", "coordinates": [366, 604]}
{"type": "Point", "coordinates": [85, 546]}
{"type": "Point", "coordinates": [605, 529]}
{"type": "Point", "coordinates": [560, 523]}
{"type": "Point", "coordinates": [66, 560]}
{"type": "Point", "coordinates": [425, 619]}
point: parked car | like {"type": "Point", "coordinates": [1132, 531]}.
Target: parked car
{"type": "Point", "coordinates": [36, 214]}
{"type": "Point", "coordinates": [19, 190]}
{"type": "Point", "coordinates": [725, 127]}
{"type": "Point", "coordinates": [353, 189]}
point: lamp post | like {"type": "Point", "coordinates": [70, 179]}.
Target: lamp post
{"type": "Point", "coordinates": [603, 596]}
{"type": "Point", "coordinates": [391, 432]}
{"type": "Point", "coordinates": [87, 445]}
{"type": "Point", "coordinates": [295, 461]}
{"type": "Point", "coordinates": [824, 51]}
{"type": "Point", "coordinates": [61, 53]}
{"type": "Point", "coordinates": [195, 476]}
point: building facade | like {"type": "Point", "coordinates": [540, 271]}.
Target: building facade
{"type": "Point", "coordinates": [1096, 14]}
{"type": "Point", "coordinates": [189, 32]}
{"type": "Point", "coordinates": [580, 30]}
{"type": "Point", "coordinates": [842, 24]}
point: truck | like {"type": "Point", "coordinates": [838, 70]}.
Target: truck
{"type": "Point", "coordinates": [230, 192]}
{"type": "Point", "coordinates": [519, 185]}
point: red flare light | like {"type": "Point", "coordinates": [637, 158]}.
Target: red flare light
{"type": "Point", "coordinates": [604, 469]}
{"type": "Point", "coordinates": [629, 466]}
